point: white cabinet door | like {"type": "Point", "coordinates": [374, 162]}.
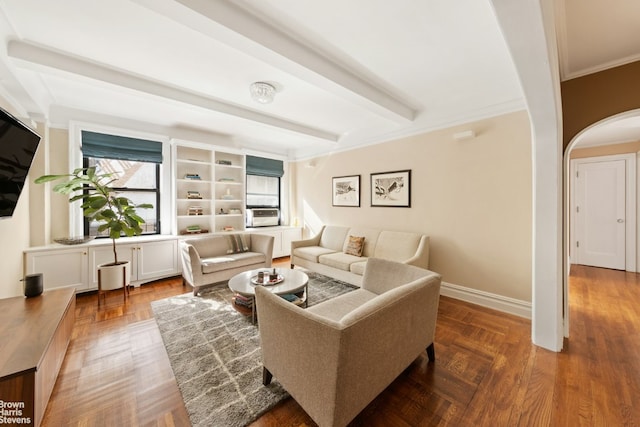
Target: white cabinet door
{"type": "Point", "coordinates": [282, 239]}
{"type": "Point", "coordinates": [60, 268]}
{"type": "Point", "coordinates": [289, 235]}
{"type": "Point", "coordinates": [104, 254]}
{"type": "Point", "coordinates": [157, 259]}
{"type": "Point", "coordinates": [78, 266]}
{"type": "Point", "coordinates": [277, 242]}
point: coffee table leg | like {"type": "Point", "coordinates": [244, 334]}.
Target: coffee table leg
{"type": "Point", "coordinates": [254, 315]}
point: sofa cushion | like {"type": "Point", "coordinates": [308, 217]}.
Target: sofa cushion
{"type": "Point", "coordinates": [354, 246]}
{"type": "Point", "coordinates": [210, 246]}
{"type": "Point", "coordinates": [219, 263]}
{"type": "Point", "coordinates": [333, 237]}
{"type": "Point", "coordinates": [336, 308]}
{"type": "Point", "coordinates": [311, 253]}
{"type": "Point", "coordinates": [370, 239]}
{"type": "Point", "coordinates": [338, 260]}
{"type": "Point", "coordinates": [396, 245]}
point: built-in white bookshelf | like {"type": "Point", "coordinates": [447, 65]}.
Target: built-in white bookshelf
{"type": "Point", "coordinates": [209, 190]}
{"type": "Point", "coordinates": [229, 191]}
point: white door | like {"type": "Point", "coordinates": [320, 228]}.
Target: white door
{"type": "Point", "coordinates": [600, 214]}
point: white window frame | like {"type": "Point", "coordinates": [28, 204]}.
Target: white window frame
{"type": "Point", "coordinates": [76, 219]}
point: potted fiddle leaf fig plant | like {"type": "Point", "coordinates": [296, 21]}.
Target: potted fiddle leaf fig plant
{"type": "Point", "coordinates": [115, 214]}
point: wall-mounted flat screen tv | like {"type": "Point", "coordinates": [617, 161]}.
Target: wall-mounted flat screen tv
{"type": "Point", "coordinates": [18, 146]}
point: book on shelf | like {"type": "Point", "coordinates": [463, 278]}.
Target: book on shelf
{"type": "Point", "coordinates": [194, 195]}
{"type": "Point", "coordinates": [195, 210]}
{"type": "Point", "coordinates": [192, 176]}
{"type": "Point", "coordinates": [226, 180]}
{"type": "Point", "coordinates": [224, 162]}
{"type": "Point", "coordinates": [194, 231]}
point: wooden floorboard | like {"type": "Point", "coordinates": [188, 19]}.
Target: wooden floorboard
{"type": "Point", "coordinates": [487, 372]}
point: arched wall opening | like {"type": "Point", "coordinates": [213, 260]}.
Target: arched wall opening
{"type": "Point", "coordinates": [603, 131]}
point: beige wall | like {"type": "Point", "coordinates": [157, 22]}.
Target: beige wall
{"type": "Point", "coordinates": [49, 210]}
{"type": "Point", "coordinates": [59, 164]}
{"type": "Point", "coordinates": [473, 197]}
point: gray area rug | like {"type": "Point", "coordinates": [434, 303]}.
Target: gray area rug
{"type": "Point", "coordinates": [215, 353]}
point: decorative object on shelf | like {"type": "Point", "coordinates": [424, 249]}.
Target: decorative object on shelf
{"type": "Point", "coordinates": [221, 212]}
{"type": "Point", "coordinates": [193, 176]}
{"type": "Point", "coordinates": [195, 210]}
{"type": "Point", "coordinates": [346, 190]}
{"type": "Point", "coordinates": [228, 228]}
{"type": "Point", "coordinates": [193, 195]}
{"type": "Point", "coordinates": [392, 189]}
{"type": "Point", "coordinates": [262, 92]}
{"type": "Point", "coordinates": [73, 240]}
{"type": "Point", "coordinates": [224, 162]}
{"type": "Point", "coordinates": [116, 214]}
{"type": "Point", "coordinates": [228, 195]}
{"type": "Point", "coordinates": [235, 211]}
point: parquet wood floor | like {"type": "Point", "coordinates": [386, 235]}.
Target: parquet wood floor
{"type": "Point", "coordinates": [487, 372]}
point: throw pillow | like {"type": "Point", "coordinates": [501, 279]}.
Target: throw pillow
{"type": "Point", "coordinates": [237, 244]}
{"type": "Point", "coordinates": [355, 246]}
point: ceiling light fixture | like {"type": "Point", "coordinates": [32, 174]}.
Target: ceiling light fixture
{"type": "Point", "coordinates": [262, 92]}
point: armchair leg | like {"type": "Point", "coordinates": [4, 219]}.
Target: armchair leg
{"type": "Point", "coordinates": [292, 266]}
{"type": "Point", "coordinates": [266, 376]}
{"type": "Point", "coordinates": [431, 352]}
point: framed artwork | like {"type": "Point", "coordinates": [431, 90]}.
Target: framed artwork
{"type": "Point", "coordinates": [391, 189]}
{"type": "Point", "coordinates": [346, 190]}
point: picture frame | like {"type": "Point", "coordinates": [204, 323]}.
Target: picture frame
{"type": "Point", "coordinates": [345, 190]}
{"type": "Point", "coordinates": [391, 189]}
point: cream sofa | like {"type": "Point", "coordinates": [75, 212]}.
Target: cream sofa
{"type": "Point", "coordinates": [325, 252]}
{"type": "Point", "coordinates": [335, 357]}
{"type": "Point", "coordinates": [218, 257]}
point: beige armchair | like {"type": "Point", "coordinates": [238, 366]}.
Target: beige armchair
{"type": "Point", "coordinates": [334, 358]}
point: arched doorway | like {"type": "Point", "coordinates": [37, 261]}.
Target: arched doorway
{"type": "Point", "coordinates": [620, 129]}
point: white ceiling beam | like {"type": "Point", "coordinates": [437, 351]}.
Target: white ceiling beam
{"type": "Point", "coordinates": [296, 56]}
{"type": "Point", "coordinates": [53, 59]}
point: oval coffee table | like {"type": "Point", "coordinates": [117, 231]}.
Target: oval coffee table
{"type": "Point", "coordinates": [295, 281]}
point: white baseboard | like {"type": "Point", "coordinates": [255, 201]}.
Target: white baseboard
{"type": "Point", "coordinates": [485, 299]}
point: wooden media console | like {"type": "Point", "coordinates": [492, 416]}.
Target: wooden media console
{"type": "Point", "coordinates": [34, 336]}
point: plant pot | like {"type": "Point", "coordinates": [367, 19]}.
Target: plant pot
{"type": "Point", "coordinates": [114, 276]}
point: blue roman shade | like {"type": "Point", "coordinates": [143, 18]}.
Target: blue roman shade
{"type": "Point", "coordinates": [106, 146]}
{"type": "Point", "coordinates": [264, 167]}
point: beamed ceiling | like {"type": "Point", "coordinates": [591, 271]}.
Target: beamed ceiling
{"type": "Point", "coordinates": [347, 73]}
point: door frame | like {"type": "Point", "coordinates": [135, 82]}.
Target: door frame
{"type": "Point", "coordinates": [630, 205]}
